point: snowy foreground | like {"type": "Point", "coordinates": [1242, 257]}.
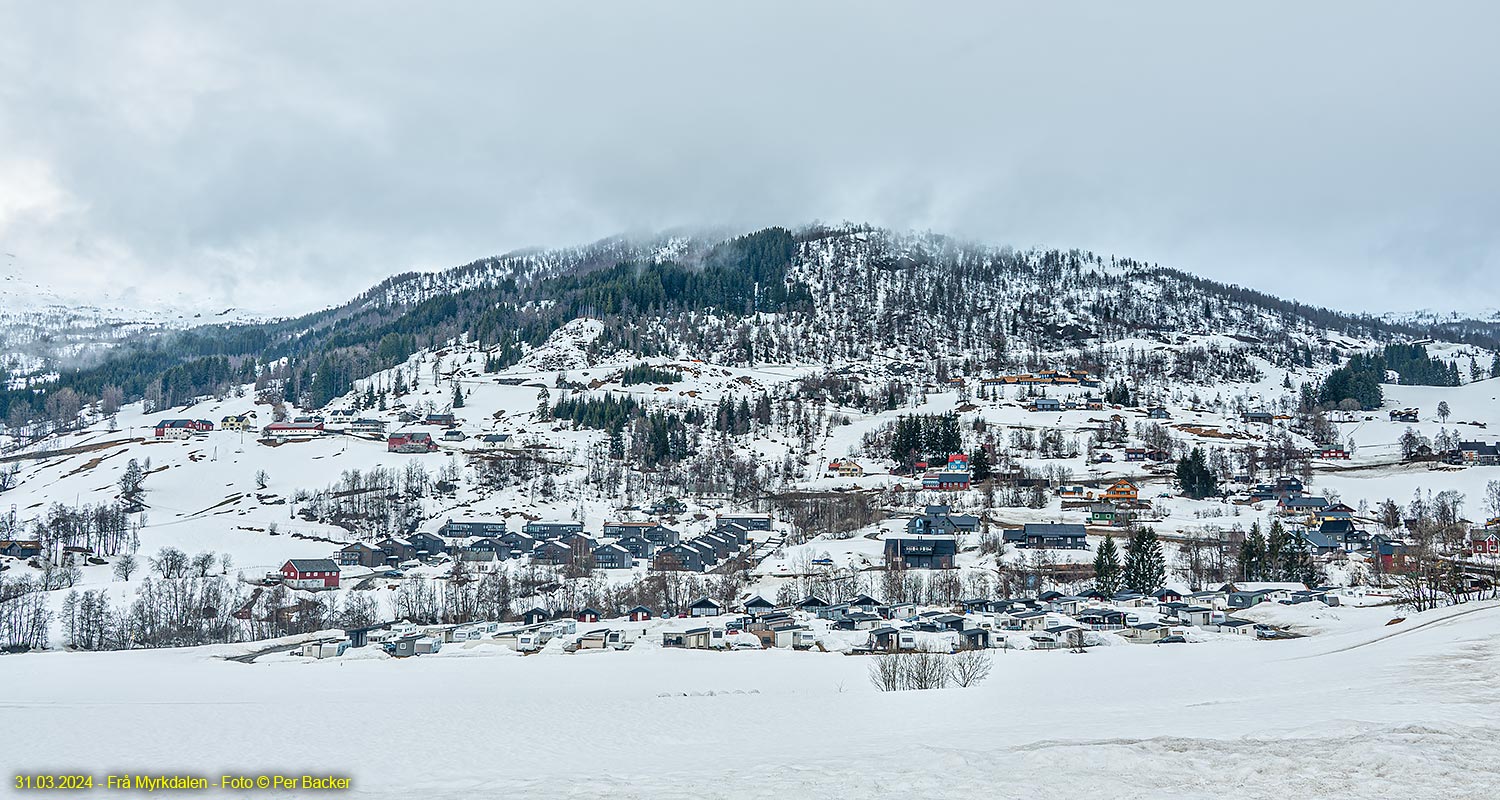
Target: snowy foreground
{"type": "Point", "coordinates": [1410, 710]}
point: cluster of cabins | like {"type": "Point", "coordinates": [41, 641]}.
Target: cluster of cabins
{"type": "Point", "coordinates": [1053, 620]}
{"type": "Point", "coordinates": [1328, 531]}
{"type": "Point", "coordinates": [930, 540]}
{"type": "Point", "coordinates": [563, 543]}
{"type": "Point", "coordinates": [1048, 621]}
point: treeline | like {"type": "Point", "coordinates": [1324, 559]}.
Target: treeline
{"type": "Point", "coordinates": [645, 373]}
{"type": "Point", "coordinates": [103, 529]}
{"type": "Point", "coordinates": [1360, 378]}
{"type": "Point", "coordinates": [735, 417]}
{"type": "Point", "coordinates": [1275, 555]}
{"type": "Point", "coordinates": [655, 437]}
{"type": "Point", "coordinates": [1416, 368]}
{"type": "Point", "coordinates": [608, 413]}
{"type": "Point", "coordinates": [924, 437]}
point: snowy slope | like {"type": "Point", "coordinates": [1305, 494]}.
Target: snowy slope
{"type": "Point", "coordinates": [1372, 712]}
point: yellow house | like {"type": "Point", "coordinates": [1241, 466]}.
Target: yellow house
{"type": "Point", "coordinates": [846, 468]}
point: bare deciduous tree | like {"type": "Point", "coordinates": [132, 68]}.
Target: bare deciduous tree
{"type": "Point", "coordinates": [170, 563]}
{"type": "Point", "coordinates": [125, 566]}
{"type": "Point", "coordinates": [969, 667]}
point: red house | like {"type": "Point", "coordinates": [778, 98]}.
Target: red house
{"type": "Point", "coordinates": [310, 573]}
{"type": "Point", "coordinates": [410, 443]}
{"type": "Point", "coordinates": [588, 615]}
{"type": "Point", "coordinates": [639, 614]}
{"type": "Point", "coordinates": [1484, 542]}
{"type": "Point", "coordinates": [175, 429]}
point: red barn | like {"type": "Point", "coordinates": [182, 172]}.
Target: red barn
{"type": "Point", "coordinates": [310, 573]}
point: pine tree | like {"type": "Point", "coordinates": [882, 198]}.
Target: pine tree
{"type": "Point", "coordinates": [1145, 567]}
{"type": "Point", "coordinates": [1286, 559]}
{"type": "Point", "coordinates": [458, 395]}
{"type": "Point", "coordinates": [1495, 366]}
{"type": "Point", "coordinates": [1107, 567]}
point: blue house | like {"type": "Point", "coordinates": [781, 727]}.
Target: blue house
{"type": "Point", "coordinates": [750, 522]}
{"type": "Point", "coordinates": [473, 527]}
{"type": "Point", "coordinates": [679, 558]}
{"type": "Point", "coordinates": [937, 519]}
{"type": "Point", "coordinates": [425, 545]}
{"type": "Point", "coordinates": [639, 546]}
{"type": "Point", "coordinates": [655, 532]}
{"type": "Point", "coordinates": [613, 556]}
{"type": "Point", "coordinates": [544, 529]}
{"type": "Point", "coordinates": [920, 552]}
{"type": "Point", "coordinates": [1051, 535]}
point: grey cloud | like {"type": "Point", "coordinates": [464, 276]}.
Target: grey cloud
{"type": "Point", "coordinates": [287, 155]}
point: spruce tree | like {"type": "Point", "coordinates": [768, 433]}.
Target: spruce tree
{"type": "Point", "coordinates": [1278, 546]}
{"type": "Point", "coordinates": [1253, 555]}
{"type": "Point", "coordinates": [980, 465]}
{"type": "Point", "coordinates": [1193, 474]}
{"type": "Point", "coordinates": [1107, 567]}
{"type": "Point", "coordinates": [1145, 567]}
{"type": "Point", "coordinates": [458, 395]}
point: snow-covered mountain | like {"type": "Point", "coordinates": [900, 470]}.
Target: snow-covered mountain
{"type": "Point", "coordinates": [42, 330]}
{"type": "Point", "coordinates": [851, 293]}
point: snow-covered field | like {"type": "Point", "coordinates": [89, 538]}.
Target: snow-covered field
{"type": "Point", "coordinates": [1355, 709]}
{"type": "Point", "coordinates": [1363, 711]}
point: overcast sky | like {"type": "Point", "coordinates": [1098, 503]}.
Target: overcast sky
{"type": "Point", "coordinates": [286, 156]}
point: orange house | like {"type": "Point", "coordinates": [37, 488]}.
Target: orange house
{"type": "Point", "coordinates": [1122, 491]}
